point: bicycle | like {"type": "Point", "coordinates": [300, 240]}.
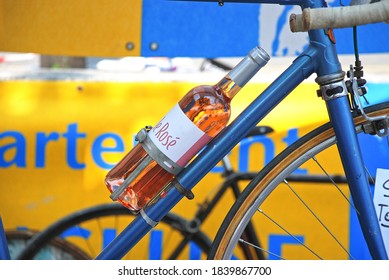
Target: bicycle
{"type": "Point", "coordinates": [321, 58]}
{"type": "Point", "coordinates": [54, 249]}
{"type": "Point", "coordinates": [74, 236]}
{"type": "Point", "coordinates": [183, 237]}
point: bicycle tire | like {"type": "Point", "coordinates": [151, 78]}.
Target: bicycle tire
{"type": "Point", "coordinates": [263, 191]}
{"type": "Point", "coordinates": [97, 214]}
{"type": "Point", "coordinates": [57, 248]}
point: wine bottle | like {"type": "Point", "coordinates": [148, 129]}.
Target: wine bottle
{"type": "Point", "coordinates": [167, 147]}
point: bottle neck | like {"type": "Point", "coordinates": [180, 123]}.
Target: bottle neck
{"type": "Point", "coordinates": [238, 77]}
{"type": "Point", "coordinates": [228, 87]}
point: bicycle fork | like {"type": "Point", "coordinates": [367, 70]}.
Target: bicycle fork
{"type": "Point", "coordinates": [334, 92]}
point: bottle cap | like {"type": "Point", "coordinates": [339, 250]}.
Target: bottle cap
{"type": "Point", "coordinates": [249, 66]}
{"type": "Point", "coordinates": [259, 55]}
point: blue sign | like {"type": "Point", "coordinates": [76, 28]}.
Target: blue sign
{"type": "Point", "coordinates": [203, 29]}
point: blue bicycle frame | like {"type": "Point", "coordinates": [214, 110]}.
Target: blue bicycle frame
{"type": "Point", "coordinates": [320, 58]}
{"type": "Point", "coordinates": [4, 253]}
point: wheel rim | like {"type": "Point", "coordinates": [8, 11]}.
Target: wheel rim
{"type": "Point", "coordinates": [233, 231]}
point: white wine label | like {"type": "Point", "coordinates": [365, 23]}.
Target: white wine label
{"type": "Point", "coordinates": [178, 137]}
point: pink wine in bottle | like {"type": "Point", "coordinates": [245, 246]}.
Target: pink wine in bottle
{"type": "Point", "coordinates": [198, 117]}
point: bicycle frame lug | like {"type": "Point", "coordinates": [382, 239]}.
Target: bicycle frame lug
{"type": "Point", "coordinates": [333, 90]}
{"type": "Point", "coordinates": [332, 86]}
{"type": "Point", "coordinates": [330, 78]}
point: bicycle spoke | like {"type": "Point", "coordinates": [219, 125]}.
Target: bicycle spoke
{"type": "Point", "coordinates": [318, 214]}
{"type": "Point", "coordinates": [287, 232]}
{"type": "Point", "coordinates": [87, 243]}
{"type": "Point", "coordinates": [334, 183]}
{"type": "Point", "coordinates": [260, 248]}
{"type": "Point", "coordinates": [317, 218]}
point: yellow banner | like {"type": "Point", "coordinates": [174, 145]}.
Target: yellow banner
{"type": "Point", "coordinates": [58, 139]}
{"type": "Point", "coordinates": [71, 27]}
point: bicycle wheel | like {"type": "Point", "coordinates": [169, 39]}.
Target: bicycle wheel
{"type": "Point", "coordinates": [93, 228]}
{"type": "Point", "coordinates": [56, 249]}
{"type": "Point", "coordinates": [304, 219]}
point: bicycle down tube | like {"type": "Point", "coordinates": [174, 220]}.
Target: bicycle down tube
{"type": "Point", "coordinates": [320, 58]}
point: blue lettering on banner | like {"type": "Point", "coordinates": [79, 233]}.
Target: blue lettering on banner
{"type": "Point", "coordinates": [72, 135]}
{"type": "Point", "coordinates": [109, 234]}
{"type": "Point", "coordinates": [155, 248]}
{"type": "Point", "coordinates": [194, 251]}
{"type": "Point", "coordinates": [155, 241]}
{"type": "Point", "coordinates": [269, 150]}
{"type": "Point", "coordinates": [77, 232]}
{"type": "Point", "coordinates": [276, 241]}
{"type": "Point", "coordinates": [98, 149]}
{"type": "Point", "coordinates": [13, 148]}
{"type": "Point", "coordinates": [41, 142]}
{"type": "Point", "coordinates": [18, 146]}
{"type": "Point", "coordinates": [244, 153]}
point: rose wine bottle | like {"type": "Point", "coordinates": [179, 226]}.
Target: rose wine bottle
{"type": "Point", "coordinates": [167, 147]}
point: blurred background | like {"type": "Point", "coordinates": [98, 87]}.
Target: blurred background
{"type": "Point", "coordinates": [78, 79]}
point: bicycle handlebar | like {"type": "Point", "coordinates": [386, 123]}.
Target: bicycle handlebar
{"type": "Point", "coordinates": [340, 17]}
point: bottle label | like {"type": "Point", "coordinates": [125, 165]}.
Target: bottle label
{"type": "Point", "coordinates": [178, 137]}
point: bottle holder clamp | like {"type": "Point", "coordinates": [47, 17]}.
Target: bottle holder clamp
{"type": "Point", "coordinates": [152, 150]}
{"type": "Point", "coordinates": [153, 154]}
